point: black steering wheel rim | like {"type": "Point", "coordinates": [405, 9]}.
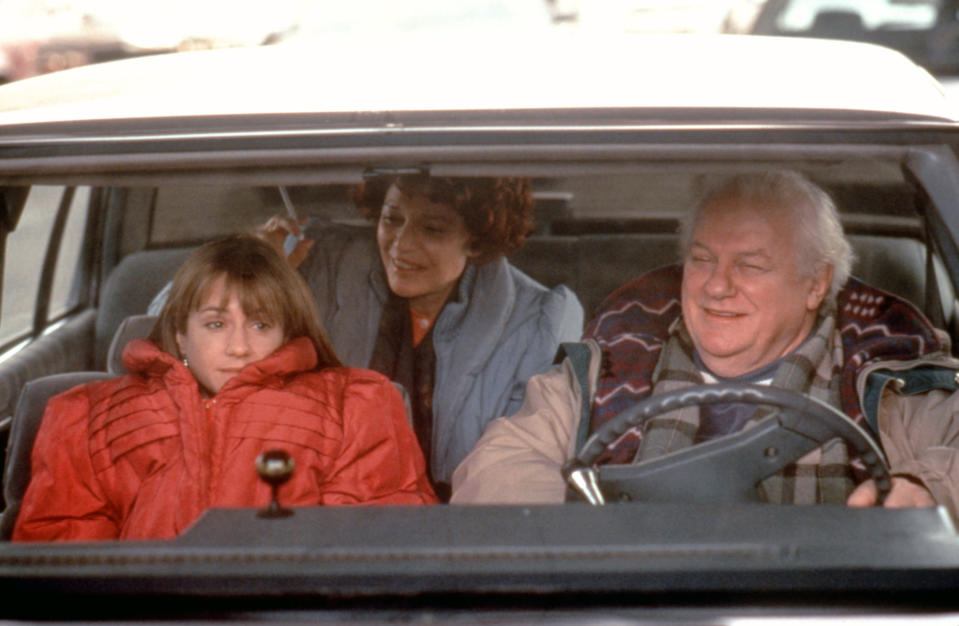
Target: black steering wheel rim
{"type": "Point", "coordinates": [798, 414]}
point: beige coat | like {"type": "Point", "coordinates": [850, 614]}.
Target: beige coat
{"type": "Point", "coordinates": [518, 459]}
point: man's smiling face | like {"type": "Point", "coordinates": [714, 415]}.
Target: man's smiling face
{"type": "Point", "coordinates": [744, 299]}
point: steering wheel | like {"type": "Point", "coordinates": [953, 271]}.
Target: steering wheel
{"type": "Point", "coordinates": [729, 468]}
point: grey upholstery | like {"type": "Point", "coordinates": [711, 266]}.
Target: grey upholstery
{"type": "Point", "coordinates": [898, 265]}
{"type": "Point", "coordinates": [133, 327]}
{"type": "Point", "coordinates": [594, 266]}
{"type": "Point", "coordinates": [67, 349]}
{"type": "Point", "coordinates": [23, 430]}
{"type": "Point", "coordinates": [129, 289]}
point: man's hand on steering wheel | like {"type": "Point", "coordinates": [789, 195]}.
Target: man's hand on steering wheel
{"type": "Point", "coordinates": [726, 469]}
{"type": "Point", "coordinates": [905, 493]}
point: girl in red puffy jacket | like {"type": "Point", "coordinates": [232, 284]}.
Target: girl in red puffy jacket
{"type": "Point", "coordinates": [237, 364]}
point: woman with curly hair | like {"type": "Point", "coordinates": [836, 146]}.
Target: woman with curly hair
{"type": "Point", "coordinates": [431, 302]}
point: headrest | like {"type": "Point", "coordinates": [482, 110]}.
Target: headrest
{"type": "Point", "coordinates": [133, 327]}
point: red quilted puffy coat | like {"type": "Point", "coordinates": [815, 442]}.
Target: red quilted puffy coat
{"type": "Point", "coordinates": [143, 455]}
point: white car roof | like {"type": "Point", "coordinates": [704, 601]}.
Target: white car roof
{"type": "Point", "coordinates": [642, 73]}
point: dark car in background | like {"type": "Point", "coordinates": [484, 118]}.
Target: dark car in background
{"type": "Point", "coordinates": [110, 174]}
{"type": "Point", "coordinates": [927, 31]}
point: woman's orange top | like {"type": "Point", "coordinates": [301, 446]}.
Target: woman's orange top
{"type": "Point", "coordinates": [421, 325]}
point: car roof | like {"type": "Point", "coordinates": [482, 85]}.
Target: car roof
{"type": "Point", "coordinates": [657, 78]}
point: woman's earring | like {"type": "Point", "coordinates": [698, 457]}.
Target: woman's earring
{"type": "Point", "coordinates": [185, 362]}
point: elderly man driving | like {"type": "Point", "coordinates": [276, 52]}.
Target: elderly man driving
{"type": "Point", "coordinates": [763, 296]}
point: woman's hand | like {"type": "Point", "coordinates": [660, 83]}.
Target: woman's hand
{"type": "Point", "coordinates": [904, 494]}
{"type": "Point", "coordinates": [275, 231]}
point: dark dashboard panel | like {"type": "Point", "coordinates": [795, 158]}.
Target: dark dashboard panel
{"type": "Point", "coordinates": [562, 549]}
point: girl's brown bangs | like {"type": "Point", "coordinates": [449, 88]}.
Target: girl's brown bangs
{"type": "Point", "coordinates": [257, 297]}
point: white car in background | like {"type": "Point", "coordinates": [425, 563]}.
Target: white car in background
{"type": "Point", "coordinates": [927, 31]}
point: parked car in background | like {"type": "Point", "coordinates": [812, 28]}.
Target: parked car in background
{"type": "Point", "coordinates": [41, 36]}
{"type": "Point", "coordinates": [927, 31]}
{"type": "Point", "coordinates": [110, 174]}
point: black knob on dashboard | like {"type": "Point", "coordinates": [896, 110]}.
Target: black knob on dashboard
{"type": "Point", "coordinates": [275, 467]}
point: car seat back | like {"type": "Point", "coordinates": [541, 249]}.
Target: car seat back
{"type": "Point", "coordinates": [23, 431]}
{"type": "Point", "coordinates": [133, 327]}
{"type": "Point", "coordinates": [129, 289]}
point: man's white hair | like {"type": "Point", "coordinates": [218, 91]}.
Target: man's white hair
{"type": "Point", "coordinates": [818, 234]}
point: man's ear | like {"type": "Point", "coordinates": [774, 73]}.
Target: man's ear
{"type": "Point", "coordinates": [820, 287]}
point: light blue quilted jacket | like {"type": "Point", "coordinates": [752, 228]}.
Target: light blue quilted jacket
{"type": "Point", "coordinates": [504, 328]}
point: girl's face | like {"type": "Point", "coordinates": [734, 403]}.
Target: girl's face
{"type": "Point", "coordinates": [424, 248]}
{"type": "Point", "coordinates": [221, 339]}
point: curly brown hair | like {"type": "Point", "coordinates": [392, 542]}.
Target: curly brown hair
{"type": "Point", "coordinates": [498, 212]}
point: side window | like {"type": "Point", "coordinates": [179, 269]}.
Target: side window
{"type": "Point", "coordinates": [26, 249]}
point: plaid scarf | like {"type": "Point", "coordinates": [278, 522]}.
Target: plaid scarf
{"type": "Point", "coordinates": [823, 475]}
{"type": "Point", "coordinates": [646, 349]}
